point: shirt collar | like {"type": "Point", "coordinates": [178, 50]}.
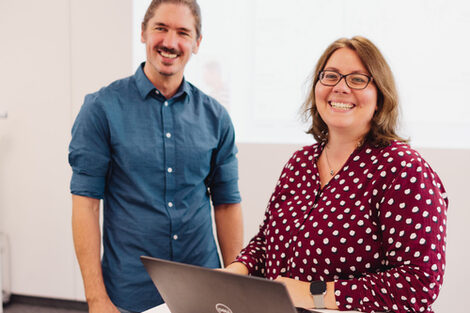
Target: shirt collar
{"type": "Point", "coordinates": [145, 86]}
{"type": "Point", "coordinates": [182, 89]}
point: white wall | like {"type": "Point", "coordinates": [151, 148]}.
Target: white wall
{"type": "Point", "coordinates": [454, 168]}
{"type": "Point", "coordinates": [53, 53]}
{"type": "Point", "coordinates": [35, 89]}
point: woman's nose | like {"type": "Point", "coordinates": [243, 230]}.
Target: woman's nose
{"type": "Point", "coordinates": [342, 86]}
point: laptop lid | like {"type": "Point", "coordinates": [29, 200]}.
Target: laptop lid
{"type": "Point", "coordinates": [193, 289]}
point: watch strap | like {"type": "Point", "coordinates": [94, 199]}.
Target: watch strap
{"type": "Point", "coordinates": [319, 301]}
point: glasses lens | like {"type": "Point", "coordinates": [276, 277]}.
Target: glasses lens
{"type": "Point", "coordinates": [329, 78]}
{"type": "Point", "coordinates": [358, 81]}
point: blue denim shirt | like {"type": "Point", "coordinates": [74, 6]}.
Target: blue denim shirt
{"type": "Point", "coordinates": [156, 163]}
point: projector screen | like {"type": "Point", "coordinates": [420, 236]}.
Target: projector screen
{"type": "Point", "coordinates": [256, 58]}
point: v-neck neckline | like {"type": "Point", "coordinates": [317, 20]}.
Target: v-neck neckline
{"type": "Point", "coordinates": [318, 152]}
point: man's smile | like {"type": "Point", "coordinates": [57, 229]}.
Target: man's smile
{"type": "Point", "coordinates": [168, 53]}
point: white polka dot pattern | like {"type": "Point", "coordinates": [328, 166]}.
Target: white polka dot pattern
{"type": "Point", "coordinates": [378, 229]}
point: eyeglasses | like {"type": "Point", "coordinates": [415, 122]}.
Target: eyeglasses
{"type": "Point", "coordinates": [353, 80]}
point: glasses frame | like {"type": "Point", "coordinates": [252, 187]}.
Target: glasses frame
{"type": "Point", "coordinates": [341, 76]}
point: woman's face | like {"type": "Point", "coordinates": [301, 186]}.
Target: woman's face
{"type": "Point", "coordinates": [344, 109]}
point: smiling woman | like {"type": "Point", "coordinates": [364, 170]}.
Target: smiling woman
{"type": "Point", "coordinates": [369, 107]}
{"type": "Point", "coordinates": [342, 108]}
{"type": "Point", "coordinates": [360, 212]}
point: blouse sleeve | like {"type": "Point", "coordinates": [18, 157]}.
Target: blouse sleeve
{"type": "Point", "coordinates": [411, 213]}
{"type": "Point", "coordinates": [254, 254]}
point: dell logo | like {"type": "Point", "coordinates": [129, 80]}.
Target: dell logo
{"type": "Point", "coordinates": [222, 308]}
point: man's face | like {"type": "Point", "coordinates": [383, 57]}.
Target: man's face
{"type": "Point", "coordinates": [170, 39]}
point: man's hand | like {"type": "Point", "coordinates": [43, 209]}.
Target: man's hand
{"type": "Point", "coordinates": [229, 224]}
{"type": "Point", "coordinates": [299, 292]}
{"type": "Point", "coordinates": [87, 241]}
{"type": "Point", "coordinates": [102, 306]}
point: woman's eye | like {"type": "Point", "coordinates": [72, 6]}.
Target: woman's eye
{"type": "Point", "coordinates": [331, 76]}
{"type": "Point", "coordinates": [358, 79]}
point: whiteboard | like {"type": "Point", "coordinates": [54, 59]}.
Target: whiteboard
{"type": "Point", "coordinates": [256, 57]}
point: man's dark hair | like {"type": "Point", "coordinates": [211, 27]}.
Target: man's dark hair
{"type": "Point", "coordinates": [191, 4]}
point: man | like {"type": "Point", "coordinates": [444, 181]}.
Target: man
{"type": "Point", "coordinates": [156, 150]}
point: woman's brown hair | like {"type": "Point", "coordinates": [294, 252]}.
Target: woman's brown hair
{"type": "Point", "coordinates": [385, 120]}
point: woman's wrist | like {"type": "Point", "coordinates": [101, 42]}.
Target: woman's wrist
{"type": "Point", "coordinates": [330, 298]}
{"type": "Point", "coordinates": [237, 268]}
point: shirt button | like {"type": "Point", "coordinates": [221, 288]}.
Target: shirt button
{"type": "Point", "coordinates": [170, 170]}
{"type": "Point", "coordinates": [166, 103]}
{"type": "Point", "coordinates": [170, 204]}
{"type": "Point", "coordinates": [175, 237]}
{"type": "Point", "coordinates": [157, 92]}
{"type": "Point", "coordinates": [168, 135]}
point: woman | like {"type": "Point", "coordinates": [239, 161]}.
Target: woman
{"type": "Point", "coordinates": [359, 210]}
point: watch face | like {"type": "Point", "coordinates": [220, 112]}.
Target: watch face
{"type": "Point", "coordinates": [317, 287]}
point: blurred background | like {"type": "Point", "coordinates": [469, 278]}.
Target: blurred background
{"type": "Point", "coordinates": [255, 58]}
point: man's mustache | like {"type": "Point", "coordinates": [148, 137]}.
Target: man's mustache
{"type": "Point", "coordinates": [168, 50]}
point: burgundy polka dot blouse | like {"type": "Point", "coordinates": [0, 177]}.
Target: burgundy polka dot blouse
{"type": "Point", "coordinates": [378, 229]}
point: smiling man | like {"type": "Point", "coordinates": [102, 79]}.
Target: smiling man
{"type": "Point", "coordinates": [157, 151]}
{"type": "Point", "coordinates": [171, 36]}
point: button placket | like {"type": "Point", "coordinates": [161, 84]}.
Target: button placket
{"type": "Point", "coordinates": [169, 162]}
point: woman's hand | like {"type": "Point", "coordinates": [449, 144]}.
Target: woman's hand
{"type": "Point", "coordinates": [236, 268]}
{"type": "Point", "coordinates": [299, 292]}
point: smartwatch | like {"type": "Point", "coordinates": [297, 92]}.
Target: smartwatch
{"type": "Point", "coordinates": [318, 291]}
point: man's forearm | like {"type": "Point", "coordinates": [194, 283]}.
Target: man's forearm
{"type": "Point", "coordinates": [87, 242]}
{"type": "Point", "coordinates": [229, 224]}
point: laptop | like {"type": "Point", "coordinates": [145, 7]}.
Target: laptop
{"type": "Point", "coordinates": [193, 289]}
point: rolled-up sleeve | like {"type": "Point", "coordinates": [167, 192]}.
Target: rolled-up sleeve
{"type": "Point", "coordinates": [89, 152]}
{"type": "Point", "coordinates": [224, 182]}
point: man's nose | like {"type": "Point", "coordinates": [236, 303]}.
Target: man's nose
{"type": "Point", "coordinates": [170, 40]}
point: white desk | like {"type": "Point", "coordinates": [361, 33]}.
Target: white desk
{"type": "Point", "coordinates": [158, 309]}
{"type": "Point", "coordinates": [164, 309]}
